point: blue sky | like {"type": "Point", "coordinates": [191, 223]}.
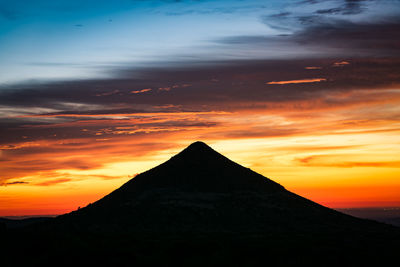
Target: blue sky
{"type": "Point", "coordinates": [47, 40]}
{"type": "Point", "coordinates": [77, 39]}
{"type": "Point", "coordinates": [51, 40]}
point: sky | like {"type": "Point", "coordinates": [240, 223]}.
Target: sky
{"type": "Point", "coordinates": [305, 92]}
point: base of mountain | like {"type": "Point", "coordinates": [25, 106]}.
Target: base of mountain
{"type": "Point", "coordinates": [29, 248]}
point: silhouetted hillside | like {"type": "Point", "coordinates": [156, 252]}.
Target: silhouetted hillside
{"type": "Point", "coordinates": [201, 209]}
{"type": "Point", "coordinates": [18, 223]}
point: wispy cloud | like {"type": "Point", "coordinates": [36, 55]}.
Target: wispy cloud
{"type": "Point", "coordinates": [312, 80]}
{"type": "Point", "coordinates": [348, 7]}
{"type": "Point", "coordinates": [141, 91]}
{"type": "Point", "coordinates": [14, 183]}
{"type": "Point", "coordinates": [335, 162]}
{"type": "Point", "coordinates": [340, 64]}
{"type": "Point", "coordinates": [53, 182]}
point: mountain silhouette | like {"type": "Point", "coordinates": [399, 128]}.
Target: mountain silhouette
{"type": "Point", "coordinates": [200, 208]}
{"type": "Point", "coordinates": [200, 190]}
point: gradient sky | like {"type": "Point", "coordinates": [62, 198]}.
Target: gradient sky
{"type": "Point", "coordinates": [305, 92]}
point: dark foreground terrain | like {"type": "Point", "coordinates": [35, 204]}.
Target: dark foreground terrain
{"type": "Point", "coordinates": [201, 209]}
{"type": "Point", "coordinates": [390, 215]}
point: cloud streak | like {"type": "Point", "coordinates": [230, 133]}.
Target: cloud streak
{"type": "Point", "coordinates": [53, 182]}
{"type": "Point", "coordinates": [333, 162]}
{"type": "Point", "coordinates": [312, 80]}
{"type": "Point", "coordinates": [14, 183]}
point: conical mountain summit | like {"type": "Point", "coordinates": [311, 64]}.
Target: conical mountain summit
{"type": "Point", "coordinates": [201, 191]}
{"type": "Point", "coordinates": [199, 168]}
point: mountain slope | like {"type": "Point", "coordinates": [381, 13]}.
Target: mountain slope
{"type": "Point", "coordinates": [201, 191]}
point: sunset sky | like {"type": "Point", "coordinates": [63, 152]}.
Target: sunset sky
{"type": "Point", "coordinates": [305, 92]}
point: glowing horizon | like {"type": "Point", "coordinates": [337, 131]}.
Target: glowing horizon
{"type": "Point", "coordinates": [91, 95]}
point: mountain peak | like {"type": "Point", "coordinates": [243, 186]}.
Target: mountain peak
{"type": "Point", "coordinates": [196, 150]}
{"type": "Point", "coordinates": [199, 168]}
{"type": "Point", "coordinates": [198, 144]}
{"type": "Point", "coordinates": [198, 147]}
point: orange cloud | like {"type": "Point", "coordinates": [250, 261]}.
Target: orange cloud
{"type": "Point", "coordinates": [329, 161]}
{"type": "Point", "coordinates": [141, 91]}
{"type": "Point", "coordinates": [313, 68]}
{"type": "Point", "coordinates": [53, 182]}
{"type": "Point", "coordinates": [340, 64]}
{"type": "Point", "coordinates": [313, 80]}
{"type": "Point", "coordinates": [113, 92]}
